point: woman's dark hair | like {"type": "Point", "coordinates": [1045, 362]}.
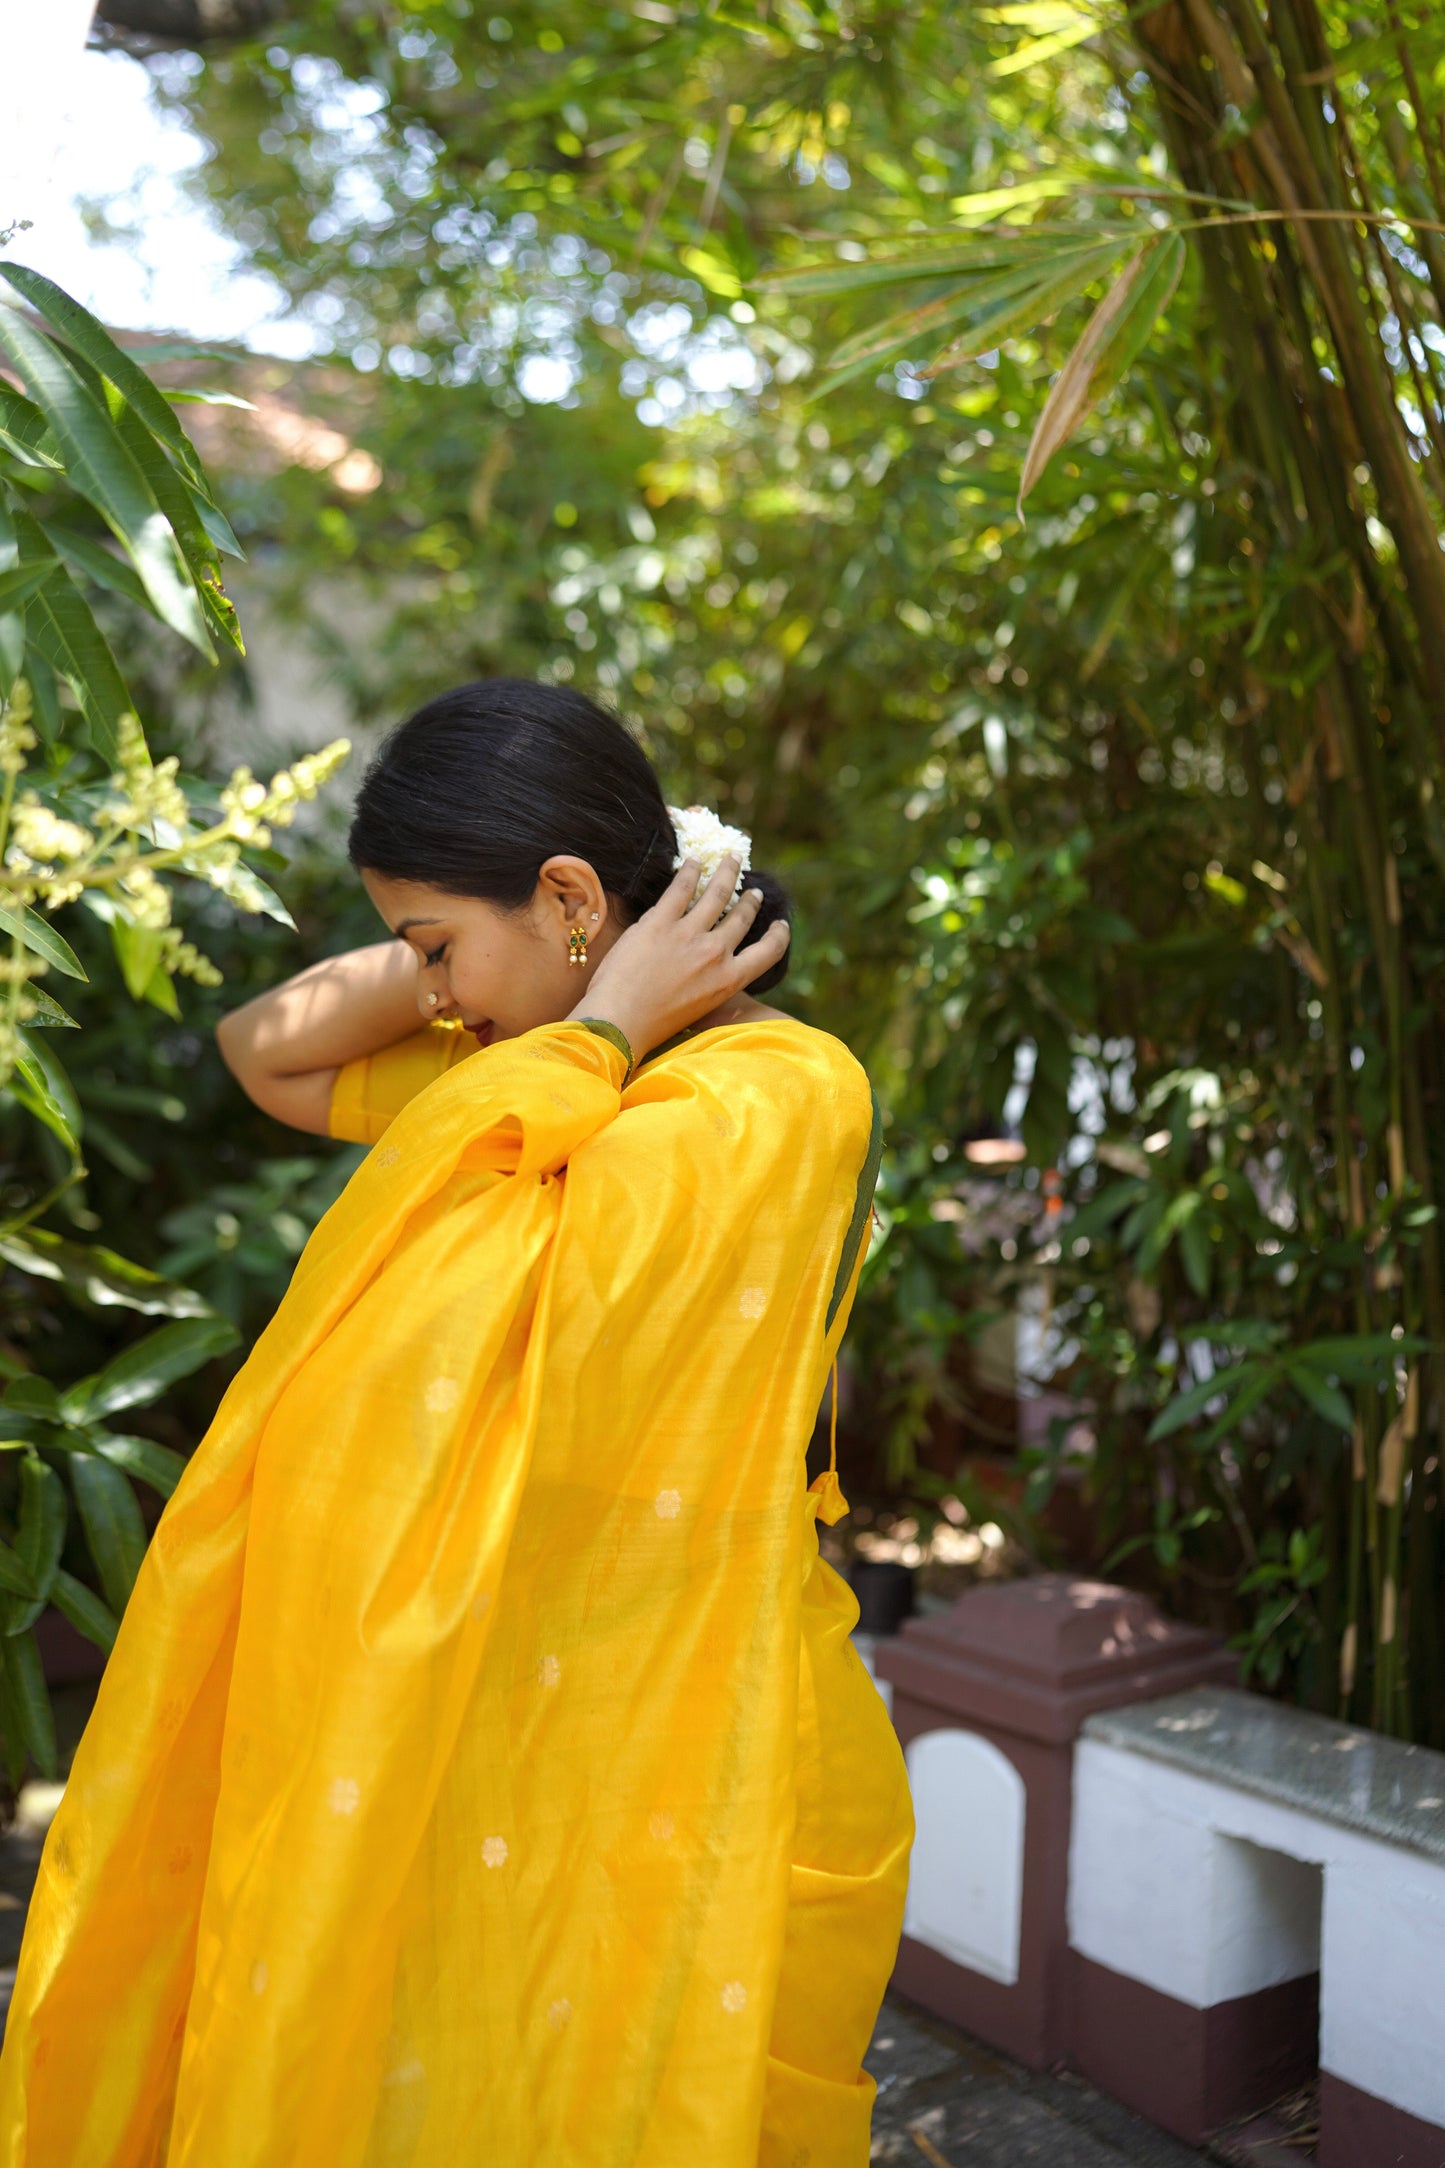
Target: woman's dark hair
{"type": "Point", "coordinates": [478, 789]}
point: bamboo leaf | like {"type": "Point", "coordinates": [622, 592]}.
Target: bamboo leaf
{"type": "Point", "coordinates": [1112, 337]}
{"type": "Point", "coordinates": [1065, 281]}
{"type": "Point", "coordinates": [1038, 49]}
{"type": "Point", "coordinates": [113, 1526]}
{"type": "Point", "coordinates": [996, 307]}
{"type": "Point", "coordinates": [1224, 1385]}
{"type": "Point", "coordinates": [951, 254]}
{"type": "Point", "coordinates": [1326, 1399]}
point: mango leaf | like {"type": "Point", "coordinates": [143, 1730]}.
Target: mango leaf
{"type": "Point", "coordinates": [86, 555]}
{"type": "Point", "coordinates": [211, 398]}
{"type": "Point", "coordinates": [144, 1371]}
{"type": "Point", "coordinates": [113, 1526]}
{"type": "Point", "coordinates": [32, 1395]}
{"type": "Point", "coordinates": [85, 1611]}
{"type": "Point", "coordinates": [98, 1275]}
{"type": "Point", "coordinates": [161, 993]}
{"type": "Point", "coordinates": [90, 338]}
{"type": "Point", "coordinates": [48, 1015]}
{"type": "Point", "coordinates": [61, 628]}
{"type": "Point", "coordinates": [14, 1573]}
{"type": "Point", "coordinates": [148, 1462]}
{"type": "Point", "coordinates": [1111, 339]}
{"type": "Point", "coordinates": [39, 1538]}
{"type": "Point", "coordinates": [98, 465]}
{"type": "Point", "coordinates": [40, 937]}
{"type": "Point", "coordinates": [24, 431]}
{"type": "Point", "coordinates": [40, 1084]}
{"type": "Point", "coordinates": [25, 1708]}
{"type": "Point", "coordinates": [19, 585]}
{"type": "Point", "coordinates": [138, 952]}
{"type": "Point", "coordinates": [12, 650]}
{"type": "Point", "coordinates": [200, 529]}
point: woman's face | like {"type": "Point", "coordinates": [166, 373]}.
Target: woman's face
{"type": "Point", "coordinates": [500, 972]}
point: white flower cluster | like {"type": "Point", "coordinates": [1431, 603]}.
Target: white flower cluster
{"type": "Point", "coordinates": [703, 837]}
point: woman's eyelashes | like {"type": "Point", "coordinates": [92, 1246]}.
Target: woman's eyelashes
{"type": "Point", "coordinates": [432, 957]}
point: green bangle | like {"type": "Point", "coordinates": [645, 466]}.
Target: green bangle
{"type": "Point", "coordinates": [613, 1036]}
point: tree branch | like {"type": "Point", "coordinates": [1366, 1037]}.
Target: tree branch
{"type": "Point", "coordinates": [194, 23]}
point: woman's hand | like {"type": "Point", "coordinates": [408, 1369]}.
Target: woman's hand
{"type": "Point", "coordinates": [677, 964]}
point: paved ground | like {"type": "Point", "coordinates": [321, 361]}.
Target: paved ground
{"type": "Point", "coordinates": [942, 2098]}
{"type": "Point", "coordinates": [944, 2101]}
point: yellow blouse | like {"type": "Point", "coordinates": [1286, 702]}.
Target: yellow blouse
{"type": "Point", "coordinates": [368, 1094]}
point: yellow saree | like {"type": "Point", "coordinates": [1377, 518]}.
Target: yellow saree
{"type": "Point", "coordinates": [483, 1774]}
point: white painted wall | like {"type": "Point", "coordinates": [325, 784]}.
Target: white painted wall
{"type": "Point", "coordinates": [1207, 1893]}
{"type": "Point", "coordinates": [965, 1884]}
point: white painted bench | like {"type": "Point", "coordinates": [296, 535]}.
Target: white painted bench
{"type": "Point", "coordinates": [1231, 1860]}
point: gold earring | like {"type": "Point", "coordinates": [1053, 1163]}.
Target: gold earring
{"type": "Point", "coordinates": [577, 945]}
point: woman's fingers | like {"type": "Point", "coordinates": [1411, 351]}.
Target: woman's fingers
{"type": "Point", "coordinates": [678, 894]}
{"type": "Point", "coordinates": [735, 925]}
{"type": "Point", "coordinates": [719, 892]}
{"type": "Point", "coordinates": [751, 963]}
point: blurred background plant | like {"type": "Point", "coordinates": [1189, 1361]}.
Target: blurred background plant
{"type": "Point", "coordinates": [706, 359]}
{"type": "Point", "coordinates": [99, 489]}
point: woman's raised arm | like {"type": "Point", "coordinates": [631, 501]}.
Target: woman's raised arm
{"type": "Point", "coordinates": [285, 1048]}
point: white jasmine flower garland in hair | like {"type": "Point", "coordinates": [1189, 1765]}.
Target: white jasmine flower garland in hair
{"type": "Point", "coordinates": [702, 836]}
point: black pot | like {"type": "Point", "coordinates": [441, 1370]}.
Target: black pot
{"type": "Point", "coordinates": [884, 1590]}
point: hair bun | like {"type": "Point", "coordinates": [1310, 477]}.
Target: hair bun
{"type": "Point", "coordinates": [776, 904]}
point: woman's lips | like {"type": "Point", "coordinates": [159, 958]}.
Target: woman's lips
{"type": "Point", "coordinates": [482, 1033]}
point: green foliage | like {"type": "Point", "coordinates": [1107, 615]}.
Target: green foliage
{"type": "Point", "coordinates": [101, 494]}
{"type": "Point", "coordinates": [1122, 829]}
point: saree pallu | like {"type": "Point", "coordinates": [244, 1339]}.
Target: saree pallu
{"type": "Point", "coordinates": [482, 1774]}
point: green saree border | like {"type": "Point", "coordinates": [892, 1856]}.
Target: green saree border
{"type": "Point", "coordinates": [862, 1211]}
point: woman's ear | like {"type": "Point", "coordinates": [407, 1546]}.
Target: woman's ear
{"type": "Point", "coordinates": [569, 887]}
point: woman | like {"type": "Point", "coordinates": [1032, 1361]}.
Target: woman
{"type": "Point", "coordinates": [483, 1773]}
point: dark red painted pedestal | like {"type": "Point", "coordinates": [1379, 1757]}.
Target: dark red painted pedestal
{"type": "Point", "coordinates": [1022, 1664]}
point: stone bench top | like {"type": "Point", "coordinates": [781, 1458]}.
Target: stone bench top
{"type": "Point", "coordinates": [1360, 1779]}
